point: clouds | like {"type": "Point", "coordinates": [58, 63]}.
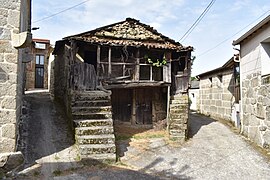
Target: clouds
{"type": "Point", "coordinates": [171, 18]}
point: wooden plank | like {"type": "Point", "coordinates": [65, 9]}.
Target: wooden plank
{"type": "Point", "coordinates": [118, 63]}
{"type": "Point", "coordinates": [110, 62]}
{"type": "Point", "coordinates": [133, 119]}
{"type": "Point", "coordinates": [98, 60]}
{"type": "Point", "coordinates": [137, 68]}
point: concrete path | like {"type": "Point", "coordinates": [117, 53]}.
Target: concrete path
{"type": "Point", "coordinates": [46, 139]}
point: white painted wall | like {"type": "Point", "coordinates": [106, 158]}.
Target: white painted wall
{"type": "Point", "coordinates": [193, 96]}
{"type": "Point", "coordinates": [253, 54]}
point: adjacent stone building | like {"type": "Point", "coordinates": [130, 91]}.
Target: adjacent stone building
{"type": "Point", "coordinates": [255, 82]}
{"type": "Point", "coordinates": [219, 92]}
{"type": "Point", "coordinates": [15, 27]}
{"type": "Point", "coordinates": [193, 94]}
{"type": "Point", "coordinates": [37, 68]}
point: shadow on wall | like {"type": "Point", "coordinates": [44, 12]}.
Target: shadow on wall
{"type": "Point", "coordinates": [196, 122]}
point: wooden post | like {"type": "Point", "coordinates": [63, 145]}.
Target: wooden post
{"type": "Point", "coordinates": [98, 60]}
{"type": "Point", "coordinates": [151, 73]}
{"type": "Point", "coordinates": [110, 62]}
{"type": "Point", "coordinates": [133, 118]}
{"type": "Point", "coordinates": [137, 66]}
{"type": "Point", "coordinates": [168, 104]}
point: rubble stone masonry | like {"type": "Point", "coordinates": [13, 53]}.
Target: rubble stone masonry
{"type": "Point", "coordinates": [10, 79]}
{"type": "Point", "coordinates": [256, 108]}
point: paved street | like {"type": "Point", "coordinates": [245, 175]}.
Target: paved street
{"type": "Point", "coordinates": [212, 152]}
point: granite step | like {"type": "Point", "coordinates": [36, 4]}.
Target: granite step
{"type": "Point", "coordinates": [96, 139]}
{"type": "Point", "coordinates": [96, 109]}
{"type": "Point", "coordinates": [93, 122]}
{"type": "Point", "coordinates": [100, 157]}
{"type": "Point", "coordinates": [93, 149]}
{"type": "Point", "coordinates": [93, 103]}
{"type": "Point", "coordinates": [82, 131]}
{"type": "Point", "coordinates": [89, 115]}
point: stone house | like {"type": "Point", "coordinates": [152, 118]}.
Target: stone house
{"type": "Point", "coordinates": [219, 92]}
{"type": "Point", "coordinates": [37, 68]}
{"type": "Point", "coordinates": [125, 72]}
{"type": "Point", "coordinates": [15, 37]}
{"type": "Point", "coordinates": [255, 82]}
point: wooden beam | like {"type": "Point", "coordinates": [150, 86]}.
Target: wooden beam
{"type": "Point", "coordinates": [98, 60]}
{"type": "Point", "coordinates": [137, 68]}
{"type": "Point", "coordinates": [110, 62]}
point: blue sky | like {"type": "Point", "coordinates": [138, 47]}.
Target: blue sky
{"type": "Point", "coordinates": [171, 18]}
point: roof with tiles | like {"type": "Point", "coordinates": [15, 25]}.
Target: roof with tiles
{"type": "Point", "coordinates": [130, 32]}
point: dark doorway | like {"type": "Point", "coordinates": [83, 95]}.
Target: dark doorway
{"type": "Point", "coordinates": [143, 106]}
{"type": "Point", "coordinates": [122, 104]}
{"type": "Point", "coordinates": [90, 57]}
{"type": "Point", "coordinates": [39, 71]}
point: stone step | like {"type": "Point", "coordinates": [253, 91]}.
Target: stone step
{"type": "Point", "coordinates": [93, 149]}
{"type": "Point", "coordinates": [178, 106]}
{"type": "Point", "coordinates": [97, 109]}
{"type": "Point", "coordinates": [92, 96]}
{"type": "Point", "coordinates": [83, 131]}
{"type": "Point", "coordinates": [89, 115]}
{"type": "Point", "coordinates": [96, 139]}
{"type": "Point", "coordinates": [178, 101]}
{"type": "Point", "coordinates": [93, 122]}
{"type": "Point", "coordinates": [178, 110]}
{"type": "Point", "coordinates": [84, 103]}
{"type": "Point", "coordinates": [100, 157]}
{"type": "Point", "coordinates": [180, 97]}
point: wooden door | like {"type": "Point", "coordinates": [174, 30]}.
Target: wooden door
{"type": "Point", "coordinates": [39, 71]}
{"type": "Point", "coordinates": [122, 104]}
{"type": "Point", "coordinates": [143, 106]}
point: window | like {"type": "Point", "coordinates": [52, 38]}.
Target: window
{"type": "Point", "coordinates": [40, 59]}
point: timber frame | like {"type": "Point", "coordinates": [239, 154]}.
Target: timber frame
{"type": "Point", "coordinates": [141, 67]}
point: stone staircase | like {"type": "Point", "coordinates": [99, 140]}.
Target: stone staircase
{"type": "Point", "coordinates": [94, 133]}
{"type": "Point", "coordinates": [179, 110]}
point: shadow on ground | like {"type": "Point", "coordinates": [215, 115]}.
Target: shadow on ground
{"type": "Point", "coordinates": [195, 123]}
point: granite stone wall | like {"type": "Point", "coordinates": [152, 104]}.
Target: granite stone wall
{"type": "Point", "coordinates": [216, 95]}
{"type": "Point", "coordinates": [10, 75]}
{"type": "Point", "coordinates": [256, 108]}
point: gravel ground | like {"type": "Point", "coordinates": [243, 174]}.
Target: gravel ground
{"type": "Point", "coordinates": [212, 152]}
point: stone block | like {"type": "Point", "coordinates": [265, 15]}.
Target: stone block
{"type": "Point", "coordinates": [6, 47]}
{"type": "Point", "coordinates": [8, 131]}
{"type": "Point", "coordinates": [266, 101]}
{"type": "Point", "coordinates": [11, 89]}
{"type": "Point", "coordinates": [2, 58]}
{"type": "Point", "coordinates": [13, 17]}
{"type": "Point", "coordinates": [12, 78]}
{"type": "Point", "coordinates": [253, 120]}
{"type": "Point", "coordinates": [8, 68]}
{"type": "Point", "coordinates": [5, 34]}
{"type": "Point", "coordinates": [10, 4]}
{"type": "Point", "coordinates": [11, 58]}
{"type": "Point", "coordinates": [3, 76]}
{"type": "Point", "coordinates": [267, 117]}
{"type": "Point", "coordinates": [7, 145]}
{"type": "Point", "coordinates": [7, 117]}
{"type": "Point", "coordinates": [254, 135]}
{"type": "Point", "coordinates": [254, 82]}
{"type": "Point", "coordinates": [8, 103]}
{"type": "Point", "coordinates": [10, 161]}
{"type": "Point", "coordinates": [266, 137]}
{"type": "Point", "coordinates": [263, 91]}
{"type": "Point", "coordinates": [260, 112]}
